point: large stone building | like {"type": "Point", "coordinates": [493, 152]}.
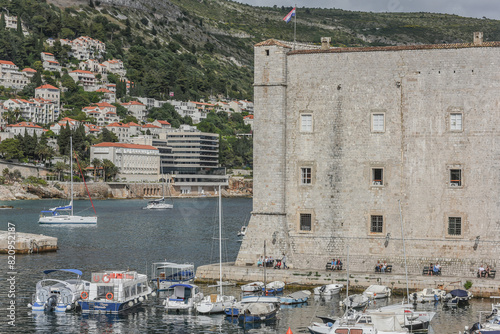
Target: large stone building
{"type": "Point", "coordinates": [344, 137]}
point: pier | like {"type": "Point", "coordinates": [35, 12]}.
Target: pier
{"type": "Point", "coordinates": [27, 243]}
{"type": "Point", "coordinates": [359, 281]}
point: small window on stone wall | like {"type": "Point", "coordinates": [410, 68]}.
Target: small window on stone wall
{"type": "Point", "coordinates": [377, 224]}
{"type": "Point", "coordinates": [455, 226]}
{"type": "Point", "coordinates": [455, 177]}
{"type": "Point", "coordinates": [305, 221]}
{"type": "Point", "coordinates": [377, 176]}
{"type": "Point", "coordinates": [305, 177]}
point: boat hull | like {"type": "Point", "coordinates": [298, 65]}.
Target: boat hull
{"type": "Point", "coordinates": [68, 220]}
{"type": "Point", "coordinates": [108, 307]}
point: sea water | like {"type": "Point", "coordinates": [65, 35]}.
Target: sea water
{"type": "Point", "coordinates": [129, 238]}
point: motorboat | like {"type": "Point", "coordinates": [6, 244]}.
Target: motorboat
{"type": "Point", "coordinates": [490, 326]}
{"type": "Point", "coordinates": [274, 287]}
{"type": "Point", "coordinates": [242, 232]}
{"type": "Point", "coordinates": [216, 303]}
{"type": "Point", "coordinates": [115, 292]}
{"type": "Point", "coordinates": [407, 316]}
{"type": "Point", "coordinates": [363, 323]}
{"type": "Point", "coordinates": [457, 297]}
{"type": "Point", "coordinates": [65, 214]}
{"type": "Point", "coordinates": [257, 312]}
{"type": "Point", "coordinates": [328, 290]}
{"type": "Point", "coordinates": [261, 299]}
{"type": "Point", "coordinates": [59, 295]}
{"type": "Point", "coordinates": [427, 295]}
{"type": "Point", "coordinates": [183, 298]}
{"type": "Point", "coordinates": [377, 292]}
{"type": "Point", "coordinates": [161, 204]}
{"type": "Point", "coordinates": [165, 274]}
{"type": "Point", "coordinates": [252, 287]}
{"type": "Point", "coordinates": [356, 302]}
{"type": "Point", "coordinates": [297, 297]}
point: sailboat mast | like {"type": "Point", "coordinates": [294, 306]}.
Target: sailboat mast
{"type": "Point", "coordinates": [71, 170]}
{"type": "Point", "coordinates": [220, 241]}
{"type": "Point", "coordinates": [404, 250]}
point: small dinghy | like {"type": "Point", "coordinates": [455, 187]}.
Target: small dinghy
{"type": "Point", "coordinates": [257, 312]}
{"type": "Point", "coordinates": [356, 302]}
{"type": "Point", "coordinates": [252, 287]}
{"type": "Point", "coordinates": [296, 297]}
{"type": "Point", "coordinates": [377, 292]}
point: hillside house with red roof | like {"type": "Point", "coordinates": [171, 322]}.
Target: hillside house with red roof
{"type": "Point", "coordinates": [137, 109]}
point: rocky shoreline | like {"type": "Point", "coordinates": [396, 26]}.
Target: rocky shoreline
{"type": "Point", "coordinates": [238, 187]}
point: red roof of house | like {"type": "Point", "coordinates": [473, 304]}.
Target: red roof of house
{"type": "Point", "coordinates": [25, 125]}
{"type": "Point", "coordinates": [132, 124]}
{"type": "Point", "coordinates": [82, 71]}
{"type": "Point", "coordinates": [150, 126]}
{"type": "Point", "coordinates": [27, 69]}
{"type": "Point", "coordinates": [163, 122]}
{"type": "Point", "coordinates": [132, 103]}
{"type": "Point", "coordinates": [141, 147]}
{"type": "Point", "coordinates": [47, 86]}
{"type": "Point", "coordinates": [7, 62]}
{"type": "Point", "coordinates": [117, 124]}
{"type": "Point", "coordinates": [104, 104]}
{"type": "Point", "coordinates": [249, 116]}
{"type": "Point", "coordinates": [103, 90]}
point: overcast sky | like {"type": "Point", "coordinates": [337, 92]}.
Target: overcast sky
{"type": "Point", "coordinates": [469, 8]}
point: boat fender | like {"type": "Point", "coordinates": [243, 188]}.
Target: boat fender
{"type": "Point", "coordinates": [106, 279]}
{"type": "Point", "coordinates": [68, 307]}
{"type": "Point", "coordinates": [329, 324]}
{"type": "Point", "coordinates": [109, 296]}
{"type": "Point", "coordinates": [135, 301]}
{"type": "Point", "coordinates": [153, 294]}
{"type": "Point", "coordinates": [130, 303]}
{"type": "Point", "coordinates": [141, 299]}
{"type": "Point", "coordinates": [29, 305]}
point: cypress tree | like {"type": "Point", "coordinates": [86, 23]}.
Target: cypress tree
{"type": "Point", "coordinates": [2, 22]}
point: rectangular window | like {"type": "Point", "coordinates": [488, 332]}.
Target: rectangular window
{"type": "Point", "coordinates": [455, 177]}
{"type": "Point", "coordinates": [378, 123]}
{"type": "Point", "coordinates": [377, 224]}
{"type": "Point", "coordinates": [377, 176]}
{"type": "Point", "coordinates": [455, 225]}
{"type": "Point", "coordinates": [456, 122]}
{"type": "Point", "coordinates": [305, 221]}
{"type": "Point", "coordinates": [306, 175]}
{"type": "Point", "coordinates": [306, 123]}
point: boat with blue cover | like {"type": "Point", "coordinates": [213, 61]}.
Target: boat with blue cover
{"type": "Point", "coordinates": [457, 297]}
{"type": "Point", "coordinates": [274, 287]}
{"type": "Point", "coordinates": [297, 297]}
{"type": "Point", "coordinates": [115, 292]}
{"type": "Point", "coordinates": [166, 274]}
{"type": "Point", "coordinates": [56, 295]}
{"type": "Point", "coordinates": [183, 298]}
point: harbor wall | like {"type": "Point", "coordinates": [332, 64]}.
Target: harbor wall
{"type": "Point", "coordinates": [26, 243]}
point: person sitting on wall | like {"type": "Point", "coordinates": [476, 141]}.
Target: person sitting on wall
{"type": "Point", "coordinates": [487, 271]}
{"type": "Point", "coordinates": [430, 269]}
{"type": "Point", "coordinates": [436, 269]}
{"type": "Point", "coordinates": [480, 271]}
{"type": "Point", "coordinates": [339, 264]}
{"type": "Point", "coordinates": [378, 266]}
{"type": "Point", "coordinates": [384, 266]}
{"type": "Point", "coordinates": [334, 264]}
{"type": "Point", "coordinates": [259, 262]}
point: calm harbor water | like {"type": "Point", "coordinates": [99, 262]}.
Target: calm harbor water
{"type": "Point", "coordinates": [128, 237]}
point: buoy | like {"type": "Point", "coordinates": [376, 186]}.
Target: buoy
{"type": "Point", "coordinates": [289, 331]}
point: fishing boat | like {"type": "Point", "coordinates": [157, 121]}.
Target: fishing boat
{"type": "Point", "coordinates": [166, 274]}
{"type": "Point", "coordinates": [274, 287]}
{"type": "Point", "coordinates": [59, 295]}
{"type": "Point", "coordinates": [328, 290]}
{"type": "Point", "coordinates": [377, 291]}
{"type": "Point", "coordinates": [297, 297]}
{"type": "Point", "coordinates": [65, 214]}
{"type": "Point", "coordinates": [115, 292]}
{"type": "Point", "coordinates": [252, 287]}
{"type": "Point", "coordinates": [183, 298]}
{"type": "Point", "coordinates": [457, 297]}
{"type": "Point", "coordinates": [427, 295]}
{"type": "Point", "coordinates": [216, 303]}
{"type": "Point", "coordinates": [361, 323]}
{"type": "Point", "coordinates": [356, 301]}
{"type": "Point", "coordinates": [257, 312]}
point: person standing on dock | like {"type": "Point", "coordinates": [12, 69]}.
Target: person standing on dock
{"type": "Point", "coordinates": [283, 261]}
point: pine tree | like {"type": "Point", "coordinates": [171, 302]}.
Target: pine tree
{"type": "Point", "coordinates": [2, 22]}
{"type": "Point", "coordinates": [19, 27]}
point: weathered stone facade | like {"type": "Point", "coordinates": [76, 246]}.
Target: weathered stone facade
{"type": "Point", "coordinates": [418, 115]}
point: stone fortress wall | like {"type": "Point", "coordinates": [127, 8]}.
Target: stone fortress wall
{"type": "Point", "coordinates": [418, 89]}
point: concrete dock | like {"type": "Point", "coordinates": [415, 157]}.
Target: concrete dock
{"type": "Point", "coordinates": [359, 281]}
{"type": "Point", "coordinates": [26, 243]}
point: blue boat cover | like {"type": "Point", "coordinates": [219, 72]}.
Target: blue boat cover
{"type": "Point", "coordinates": [74, 271]}
{"type": "Point", "coordinates": [184, 285]}
{"type": "Point", "coordinates": [459, 293]}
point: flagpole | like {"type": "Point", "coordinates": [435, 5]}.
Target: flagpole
{"type": "Point", "coordinates": [295, 28]}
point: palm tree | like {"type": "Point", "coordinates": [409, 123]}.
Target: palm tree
{"type": "Point", "coordinates": [96, 163]}
{"type": "Point", "coordinates": [60, 167]}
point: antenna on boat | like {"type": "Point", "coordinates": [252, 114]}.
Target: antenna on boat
{"type": "Point", "coordinates": [404, 251]}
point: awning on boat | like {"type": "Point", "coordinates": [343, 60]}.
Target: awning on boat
{"type": "Point", "coordinates": [459, 293]}
{"type": "Point", "coordinates": [74, 271]}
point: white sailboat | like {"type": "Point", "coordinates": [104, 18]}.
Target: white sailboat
{"type": "Point", "coordinates": [161, 203]}
{"type": "Point", "coordinates": [217, 303]}
{"type": "Point", "coordinates": [64, 214]}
